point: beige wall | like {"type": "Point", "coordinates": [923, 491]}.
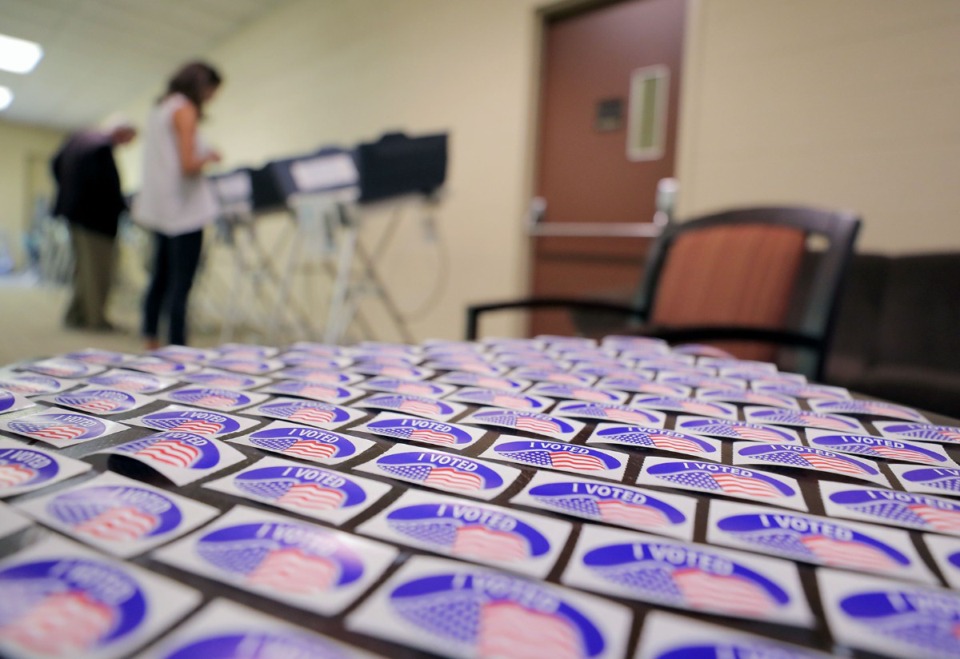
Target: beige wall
{"type": "Point", "coordinates": [25, 152]}
{"type": "Point", "coordinates": [845, 103]}
{"type": "Point", "coordinates": [332, 72]}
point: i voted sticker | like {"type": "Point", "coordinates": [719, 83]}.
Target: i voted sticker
{"type": "Point", "coordinates": [808, 457]}
{"type": "Point", "coordinates": [96, 356]}
{"type": "Point", "coordinates": [910, 511]}
{"type": "Point", "coordinates": [561, 456]}
{"type": "Point", "coordinates": [496, 614]}
{"type": "Point", "coordinates": [657, 438]}
{"type": "Point", "coordinates": [320, 349]}
{"type": "Point", "coordinates": [307, 412]}
{"type": "Point", "coordinates": [798, 390]}
{"type": "Point", "coordinates": [308, 359]}
{"type": "Point", "coordinates": [879, 447]}
{"type": "Point", "coordinates": [891, 618]}
{"type": "Point", "coordinates": [935, 480]}
{"type": "Point", "coordinates": [393, 370]}
{"type": "Point", "coordinates": [99, 400]}
{"type": "Point", "coordinates": [58, 367]}
{"type": "Point", "coordinates": [225, 380]}
{"type": "Point", "coordinates": [298, 563]}
{"type": "Point", "coordinates": [946, 554]}
{"type": "Point", "coordinates": [422, 431]}
{"type": "Point", "coordinates": [414, 387]}
{"type": "Point", "coordinates": [59, 427]}
{"type": "Point", "coordinates": [587, 394]}
{"type": "Point", "coordinates": [686, 405]}
{"type": "Point", "coordinates": [478, 368]}
{"type": "Point", "coordinates": [553, 375]}
{"type": "Point", "coordinates": [177, 418]}
{"type": "Point", "coordinates": [443, 471]}
{"type": "Point", "coordinates": [183, 354]}
{"type": "Point", "coordinates": [305, 443]}
{"type": "Point", "coordinates": [467, 379]}
{"type": "Point", "coordinates": [803, 419]}
{"type": "Point", "coordinates": [710, 478]}
{"type": "Point", "coordinates": [868, 408]}
{"type": "Point", "coordinates": [61, 599]}
{"type": "Point", "coordinates": [131, 381]}
{"type": "Point", "coordinates": [496, 398]}
{"type": "Point", "coordinates": [225, 629]}
{"type": "Point", "coordinates": [744, 397]}
{"type": "Point", "coordinates": [118, 515]}
{"type": "Point", "coordinates": [701, 381]}
{"type": "Point", "coordinates": [429, 408]}
{"type": "Point", "coordinates": [13, 402]}
{"type": "Point", "coordinates": [214, 398]}
{"type": "Point", "coordinates": [603, 412]}
{"type": "Point", "coordinates": [327, 393]}
{"type": "Point", "coordinates": [28, 468]}
{"type": "Point", "coordinates": [472, 531]}
{"type": "Point", "coordinates": [816, 540]}
{"type": "Point", "coordinates": [316, 492]}
{"type": "Point", "coordinates": [922, 432]}
{"type": "Point", "coordinates": [724, 429]}
{"type": "Point", "coordinates": [611, 503]}
{"type": "Point", "coordinates": [182, 457]}
{"type": "Point", "coordinates": [687, 576]}
{"type": "Point", "coordinates": [241, 364]}
{"type": "Point", "coordinates": [158, 366]}
{"type": "Point", "coordinates": [668, 636]}
{"type": "Point", "coordinates": [33, 384]}
{"type": "Point", "coordinates": [318, 375]}
{"type": "Point", "coordinates": [532, 422]}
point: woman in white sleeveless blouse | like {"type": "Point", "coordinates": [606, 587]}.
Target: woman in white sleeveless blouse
{"type": "Point", "coordinates": [176, 201]}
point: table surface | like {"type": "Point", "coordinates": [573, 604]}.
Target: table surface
{"type": "Point", "coordinates": [818, 637]}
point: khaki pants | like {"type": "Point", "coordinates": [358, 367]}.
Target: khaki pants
{"type": "Point", "coordinates": [93, 273]}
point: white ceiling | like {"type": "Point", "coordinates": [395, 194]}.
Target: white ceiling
{"type": "Point", "coordinates": [100, 54]}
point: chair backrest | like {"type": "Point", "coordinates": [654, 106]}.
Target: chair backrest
{"type": "Point", "coordinates": [740, 268]}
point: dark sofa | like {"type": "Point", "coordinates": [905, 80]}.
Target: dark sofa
{"type": "Point", "coordinates": [898, 331]}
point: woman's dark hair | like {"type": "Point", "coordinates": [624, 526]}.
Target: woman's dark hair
{"type": "Point", "coordinates": [192, 80]}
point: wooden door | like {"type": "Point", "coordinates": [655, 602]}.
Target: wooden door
{"type": "Point", "coordinates": [584, 171]}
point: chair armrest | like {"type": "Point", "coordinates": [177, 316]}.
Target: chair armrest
{"type": "Point", "coordinates": [474, 311]}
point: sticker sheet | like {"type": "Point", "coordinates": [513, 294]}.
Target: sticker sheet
{"type": "Point", "coordinates": [497, 614]}
{"type": "Point", "coordinates": [892, 507]}
{"type": "Point", "coordinates": [666, 635]}
{"type": "Point", "coordinates": [687, 576]}
{"type": "Point", "coordinates": [443, 471]}
{"type": "Point", "coordinates": [603, 412]}
{"type": "Point", "coordinates": [62, 599]}
{"type": "Point", "coordinates": [710, 478]}
{"type": "Point", "coordinates": [179, 418]}
{"type": "Point", "coordinates": [808, 457]}
{"type": "Point", "coordinates": [305, 443]}
{"type": "Point", "coordinates": [561, 456]}
{"type": "Point", "coordinates": [671, 441]}
{"type": "Point", "coordinates": [891, 618]}
{"type": "Point", "coordinates": [471, 531]}
{"type": "Point", "coordinates": [724, 429]}
{"type": "Point", "coordinates": [213, 398]}
{"type": "Point", "coordinates": [118, 515]}
{"type": "Point", "coordinates": [288, 560]}
{"type": "Point", "coordinates": [421, 431]}
{"type": "Point", "coordinates": [99, 400]}
{"type": "Point", "coordinates": [60, 428]}
{"type": "Point", "coordinates": [610, 503]}
{"type": "Point", "coordinates": [817, 540]}
{"type": "Point", "coordinates": [26, 468]}
{"type": "Point", "coordinates": [934, 480]}
{"type": "Point", "coordinates": [315, 492]}
{"type": "Point", "coordinates": [879, 447]}
{"type": "Point", "coordinates": [182, 457]}
{"type": "Point", "coordinates": [531, 422]}
{"type": "Point", "coordinates": [307, 412]}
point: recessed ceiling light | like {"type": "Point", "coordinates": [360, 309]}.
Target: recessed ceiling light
{"type": "Point", "coordinates": [18, 55]}
{"type": "Point", "coordinates": [6, 98]}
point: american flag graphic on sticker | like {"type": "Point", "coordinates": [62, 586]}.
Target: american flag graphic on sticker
{"type": "Point", "coordinates": [309, 489]}
{"type": "Point", "coordinates": [610, 504]}
{"type": "Point", "coordinates": [57, 428]}
{"type": "Point", "coordinates": [309, 412]}
{"type": "Point", "coordinates": [497, 398]}
{"type": "Point", "coordinates": [915, 511]}
{"type": "Point", "coordinates": [721, 479]}
{"type": "Point", "coordinates": [276, 557]}
{"type": "Point", "coordinates": [557, 390]}
{"type": "Point", "coordinates": [688, 405]}
{"type": "Point", "coordinates": [442, 471]}
{"type": "Point", "coordinates": [415, 388]}
{"type": "Point", "coordinates": [98, 401]}
{"type": "Point", "coordinates": [657, 438]}
{"type": "Point", "coordinates": [869, 407]}
{"type": "Point", "coordinates": [467, 379]}
{"type": "Point", "coordinates": [726, 429]}
{"type": "Point", "coordinates": [64, 609]}
{"type": "Point", "coordinates": [197, 422]}
{"type": "Point", "coordinates": [886, 449]}
{"type": "Point", "coordinates": [315, 390]}
{"type": "Point", "coordinates": [811, 540]}
{"type": "Point", "coordinates": [24, 467]}
{"type": "Point", "coordinates": [803, 418]}
{"type": "Point", "coordinates": [409, 404]}
{"type": "Point", "coordinates": [497, 615]}
{"type": "Point", "coordinates": [605, 412]}
{"type": "Point", "coordinates": [922, 431]}
{"type": "Point", "coordinates": [556, 455]}
{"type": "Point", "coordinates": [222, 380]}
{"type": "Point", "coordinates": [469, 531]}
{"type": "Point", "coordinates": [686, 577]}
{"type": "Point", "coordinates": [29, 384]}
{"type": "Point", "coordinates": [63, 368]}
{"type": "Point", "coordinates": [538, 424]}
{"type": "Point", "coordinates": [808, 457]}
{"type": "Point", "coordinates": [142, 383]}
{"type": "Point", "coordinates": [181, 450]}
{"type": "Point", "coordinates": [214, 398]}
{"type": "Point", "coordinates": [947, 480]}
{"type": "Point", "coordinates": [115, 513]}
{"type": "Point", "coordinates": [307, 443]}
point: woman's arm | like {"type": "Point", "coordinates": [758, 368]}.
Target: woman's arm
{"type": "Point", "coordinates": [185, 126]}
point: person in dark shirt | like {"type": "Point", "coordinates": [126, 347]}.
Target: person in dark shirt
{"type": "Point", "coordinates": [90, 197]}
